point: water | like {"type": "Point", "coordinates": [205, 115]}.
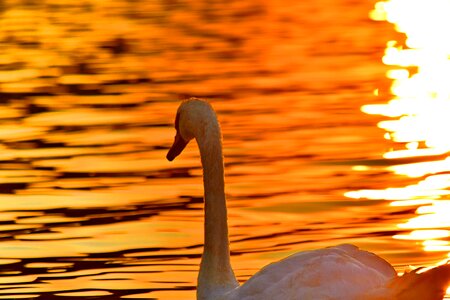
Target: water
{"type": "Point", "coordinates": [90, 208]}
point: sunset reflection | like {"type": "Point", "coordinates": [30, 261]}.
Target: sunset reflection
{"type": "Point", "coordinates": [418, 119]}
{"type": "Point", "coordinates": [90, 207]}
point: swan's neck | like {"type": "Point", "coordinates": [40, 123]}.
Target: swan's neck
{"type": "Point", "coordinates": [216, 274]}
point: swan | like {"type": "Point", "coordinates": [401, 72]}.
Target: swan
{"type": "Point", "coordinates": [342, 272]}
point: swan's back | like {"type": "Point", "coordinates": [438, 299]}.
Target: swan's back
{"type": "Point", "coordinates": [341, 272]}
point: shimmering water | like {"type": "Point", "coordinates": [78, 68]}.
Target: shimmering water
{"type": "Point", "coordinates": [90, 208]}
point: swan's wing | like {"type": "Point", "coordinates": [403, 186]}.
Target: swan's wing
{"type": "Point", "coordinates": [341, 272]}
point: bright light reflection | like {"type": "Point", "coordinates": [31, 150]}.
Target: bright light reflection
{"type": "Point", "coordinates": [420, 76]}
{"type": "Point", "coordinates": [422, 168]}
{"type": "Point", "coordinates": [427, 235]}
{"type": "Point", "coordinates": [419, 112]}
{"type": "Point", "coordinates": [432, 245]}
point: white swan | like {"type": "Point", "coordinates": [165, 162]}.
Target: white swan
{"type": "Point", "coordinates": [342, 272]}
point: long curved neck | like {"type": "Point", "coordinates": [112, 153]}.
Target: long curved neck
{"type": "Point", "coordinates": [216, 274]}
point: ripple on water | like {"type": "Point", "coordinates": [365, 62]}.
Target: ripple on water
{"type": "Point", "coordinates": [90, 208]}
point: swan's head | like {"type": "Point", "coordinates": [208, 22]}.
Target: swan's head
{"type": "Point", "coordinates": [193, 117]}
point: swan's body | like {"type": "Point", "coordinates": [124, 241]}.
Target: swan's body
{"type": "Point", "coordinates": [319, 274]}
{"type": "Point", "coordinates": [338, 273]}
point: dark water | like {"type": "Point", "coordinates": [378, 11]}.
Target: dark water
{"type": "Point", "coordinates": [90, 208]}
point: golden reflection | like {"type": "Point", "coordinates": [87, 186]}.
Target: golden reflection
{"type": "Point", "coordinates": [85, 122]}
{"type": "Point", "coordinates": [423, 235]}
{"type": "Point", "coordinates": [419, 77]}
{"type": "Point", "coordinates": [419, 119]}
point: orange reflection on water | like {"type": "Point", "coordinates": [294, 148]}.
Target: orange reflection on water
{"type": "Point", "coordinates": [418, 123]}
{"type": "Point", "coordinates": [89, 205]}
{"type": "Point", "coordinates": [419, 76]}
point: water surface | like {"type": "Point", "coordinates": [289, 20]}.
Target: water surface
{"type": "Point", "coordinates": [90, 208]}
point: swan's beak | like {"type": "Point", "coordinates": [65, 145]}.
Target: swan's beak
{"type": "Point", "coordinates": [178, 145]}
